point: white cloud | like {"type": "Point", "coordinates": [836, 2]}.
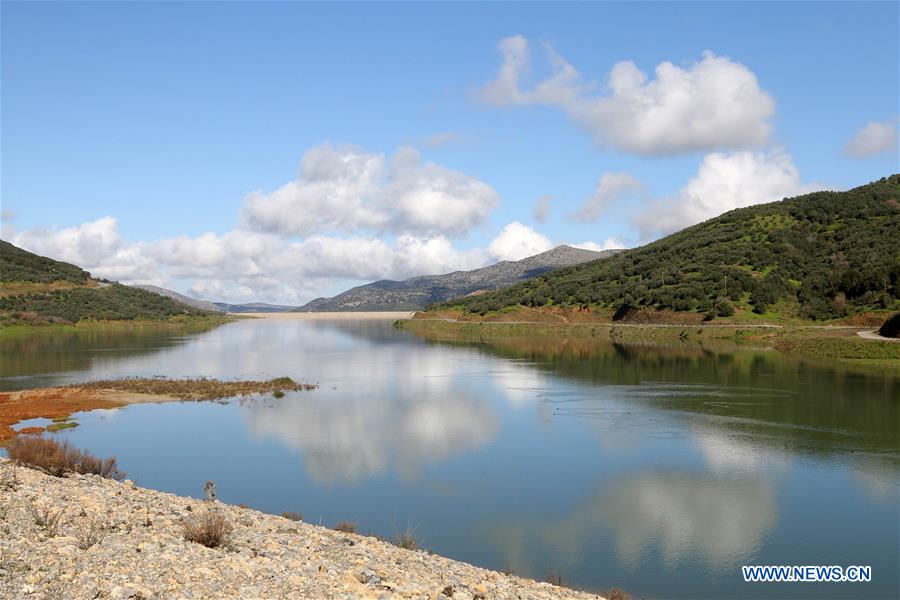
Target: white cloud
{"type": "Point", "coordinates": [542, 209]}
{"type": "Point", "coordinates": [95, 246]}
{"type": "Point", "coordinates": [724, 182]}
{"type": "Point", "coordinates": [364, 218]}
{"type": "Point", "coordinates": [348, 190]}
{"type": "Point", "coordinates": [517, 241]}
{"type": "Point", "coordinates": [715, 103]}
{"type": "Point", "coordinates": [246, 265]}
{"type": "Point", "coordinates": [873, 139]}
{"type": "Point", "coordinates": [610, 187]}
{"type": "Point", "coordinates": [610, 243]}
{"type": "Point", "coordinates": [441, 139]}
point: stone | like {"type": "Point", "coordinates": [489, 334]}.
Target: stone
{"type": "Point", "coordinates": [144, 554]}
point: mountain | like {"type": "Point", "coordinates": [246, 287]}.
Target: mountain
{"type": "Point", "coordinates": [253, 307]}
{"type": "Point", "coordinates": [201, 304]}
{"type": "Point", "coordinates": [418, 292]}
{"type": "Point", "coordinates": [219, 307]}
{"type": "Point", "coordinates": [36, 289]}
{"type": "Point", "coordinates": [816, 256]}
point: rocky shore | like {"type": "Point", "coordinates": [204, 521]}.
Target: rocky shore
{"type": "Point", "coordinates": [84, 536]}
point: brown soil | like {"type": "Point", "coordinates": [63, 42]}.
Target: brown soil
{"type": "Point", "coordinates": [59, 403]}
{"type": "Point", "coordinates": [48, 403]}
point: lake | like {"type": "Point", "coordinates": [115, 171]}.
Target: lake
{"type": "Point", "coordinates": [660, 469]}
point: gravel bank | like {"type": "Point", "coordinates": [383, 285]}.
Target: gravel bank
{"type": "Point", "coordinates": [141, 552]}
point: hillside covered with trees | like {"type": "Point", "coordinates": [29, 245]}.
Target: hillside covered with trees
{"type": "Point", "coordinates": [818, 256]}
{"type": "Point", "coordinates": [37, 289]}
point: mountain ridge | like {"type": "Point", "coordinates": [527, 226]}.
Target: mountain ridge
{"type": "Point", "coordinates": [815, 256]}
{"type": "Point", "coordinates": [38, 290]}
{"type": "Point", "coordinates": [415, 293]}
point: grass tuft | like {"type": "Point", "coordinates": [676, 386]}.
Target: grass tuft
{"type": "Point", "coordinates": [346, 527]}
{"type": "Point", "coordinates": [209, 529]}
{"type": "Point", "coordinates": [90, 532]}
{"type": "Point", "coordinates": [407, 539]}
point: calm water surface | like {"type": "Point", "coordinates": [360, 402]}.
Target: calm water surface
{"type": "Point", "coordinates": [658, 469]}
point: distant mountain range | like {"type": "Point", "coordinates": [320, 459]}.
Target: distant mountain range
{"type": "Point", "coordinates": [253, 307]}
{"type": "Point", "coordinates": [201, 304]}
{"type": "Point", "coordinates": [220, 307]}
{"type": "Point", "coordinates": [418, 292]}
{"type": "Point", "coordinates": [39, 289]}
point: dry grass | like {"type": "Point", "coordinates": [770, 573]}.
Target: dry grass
{"type": "Point", "coordinates": [616, 594]}
{"type": "Point", "coordinates": [293, 516]}
{"type": "Point", "coordinates": [210, 529]}
{"type": "Point", "coordinates": [46, 517]}
{"type": "Point", "coordinates": [346, 527]}
{"type": "Point", "coordinates": [202, 388]}
{"type": "Point", "coordinates": [407, 539]}
{"type": "Point", "coordinates": [9, 478]}
{"type": "Point", "coordinates": [555, 577]}
{"type": "Point", "coordinates": [59, 459]}
{"type": "Point", "coordinates": [89, 532]}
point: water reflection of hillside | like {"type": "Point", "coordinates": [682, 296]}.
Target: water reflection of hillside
{"type": "Point", "coordinates": [79, 350]}
{"type": "Point", "coordinates": [753, 391]}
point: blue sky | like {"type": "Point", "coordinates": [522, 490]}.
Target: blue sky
{"type": "Point", "coordinates": [165, 116]}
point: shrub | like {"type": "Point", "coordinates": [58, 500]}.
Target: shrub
{"type": "Point", "coordinates": [346, 527]}
{"type": "Point", "coordinates": [293, 516]}
{"type": "Point", "coordinates": [891, 327]}
{"type": "Point", "coordinates": [9, 479]}
{"type": "Point", "coordinates": [616, 594]}
{"type": "Point", "coordinates": [210, 529]}
{"type": "Point", "coordinates": [59, 459]}
{"type": "Point", "coordinates": [407, 539]}
{"type": "Point", "coordinates": [723, 307]}
{"type": "Point", "coordinates": [46, 517]}
{"type": "Point", "coordinates": [89, 532]}
{"type": "Point", "coordinates": [555, 577]}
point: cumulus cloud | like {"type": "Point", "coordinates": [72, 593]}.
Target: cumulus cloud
{"type": "Point", "coordinates": [542, 209]}
{"type": "Point", "coordinates": [345, 189]}
{"type": "Point", "coordinates": [875, 138]}
{"type": "Point", "coordinates": [95, 246]}
{"type": "Point", "coordinates": [610, 243]}
{"type": "Point", "coordinates": [517, 241]}
{"type": "Point", "coordinates": [610, 187]}
{"type": "Point", "coordinates": [722, 183]}
{"type": "Point", "coordinates": [715, 103]}
{"type": "Point", "coordinates": [244, 265]}
{"type": "Point", "coordinates": [349, 217]}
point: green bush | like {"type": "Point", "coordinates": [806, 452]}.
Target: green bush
{"type": "Point", "coordinates": [891, 327]}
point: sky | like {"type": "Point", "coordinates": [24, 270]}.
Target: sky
{"type": "Point", "coordinates": [279, 152]}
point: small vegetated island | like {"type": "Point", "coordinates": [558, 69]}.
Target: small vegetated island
{"type": "Point", "coordinates": [826, 258]}
{"type": "Point", "coordinates": [59, 403]}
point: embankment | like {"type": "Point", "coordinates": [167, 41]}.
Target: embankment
{"type": "Point", "coordinates": [115, 540]}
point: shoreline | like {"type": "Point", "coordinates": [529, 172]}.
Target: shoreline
{"type": "Point", "coordinates": [841, 343]}
{"type": "Point", "coordinates": [139, 550]}
{"type": "Point", "coordinates": [346, 315]}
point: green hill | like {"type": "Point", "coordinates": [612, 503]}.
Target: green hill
{"type": "Point", "coordinates": [817, 256]}
{"type": "Point", "coordinates": [36, 289]}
